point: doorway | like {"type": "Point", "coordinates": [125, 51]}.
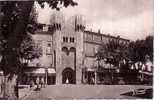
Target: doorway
{"type": "Point", "coordinates": [68, 76]}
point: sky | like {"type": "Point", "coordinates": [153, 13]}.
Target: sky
{"type": "Point", "coordinates": [131, 19]}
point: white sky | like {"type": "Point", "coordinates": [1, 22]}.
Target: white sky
{"type": "Point", "coordinates": [131, 19]}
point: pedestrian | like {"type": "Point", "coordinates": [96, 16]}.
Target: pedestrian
{"type": "Point", "coordinates": [92, 80]}
{"type": "Point", "coordinates": [37, 83]}
{"type": "Point", "coordinates": [67, 81]}
{"type": "Point", "coordinates": [31, 83]}
{"type": "Point", "coordinates": [42, 82]}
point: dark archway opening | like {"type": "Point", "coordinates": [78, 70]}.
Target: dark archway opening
{"type": "Point", "coordinates": [68, 76]}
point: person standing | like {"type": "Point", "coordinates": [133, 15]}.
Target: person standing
{"type": "Point", "coordinates": [67, 81]}
{"type": "Point", "coordinates": [42, 82]}
{"type": "Point", "coordinates": [37, 83]}
{"type": "Point", "coordinates": [31, 84]}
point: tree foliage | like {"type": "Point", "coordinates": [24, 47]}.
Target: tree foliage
{"type": "Point", "coordinates": [114, 51]}
{"type": "Point", "coordinates": [55, 4]}
{"type": "Point", "coordinates": [29, 50]}
{"type": "Point", "coordinates": [140, 48]}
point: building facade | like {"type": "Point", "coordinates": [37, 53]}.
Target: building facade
{"type": "Point", "coordinates": [68, 49]}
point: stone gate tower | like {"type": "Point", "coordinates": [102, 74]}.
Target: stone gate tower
{"type": "Point", "coordinates": [68, 48]}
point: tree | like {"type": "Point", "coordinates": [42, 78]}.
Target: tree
{"type": "Point", "coordinates": [149, 46]}
{"type": "Point", "coordinates": [29, 50]}
{"type": "Point", "coordinates": [140, 48]}
{"type": "Point", "coordinates": [14, 24]}
{"type": "Point", "coordinates": [114, 51]}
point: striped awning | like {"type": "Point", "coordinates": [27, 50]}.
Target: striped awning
{"type": "Point", "coordinates": [41, 71]}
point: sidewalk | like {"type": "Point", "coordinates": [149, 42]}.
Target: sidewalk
{"type": "Point", "coordinates": [25, 91]}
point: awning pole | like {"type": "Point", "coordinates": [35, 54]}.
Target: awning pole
{"type": "Point", "coordinates": [95, 77]}
{"type": "Point", "coordinates": [46, 75]}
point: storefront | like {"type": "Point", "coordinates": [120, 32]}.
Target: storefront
{"type": "Point", "coordinates": [106, 75]}
{"type": "Point", "coordinates": [99, 75]}
{"type": "Point", "coordinates": [32, 73]}
{"type": "Point", "coordinates": [51, 76]}
{"type": "Point", "coordinates": [88, 75]}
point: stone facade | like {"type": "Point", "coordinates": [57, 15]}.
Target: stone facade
{"type": "Point", "coordinates": [92, 42]}
{"type": "Point", "coordinates": [68, 48]}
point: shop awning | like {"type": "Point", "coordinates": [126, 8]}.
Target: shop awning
{"type": "Point", "coordinates": [90, 69]}
{"type": "Point", "coordinates": [39, 71]}
{"type": "Point", "coordinates": [51, 71]}
{"type": "Point", "coordinates": [36, 71]}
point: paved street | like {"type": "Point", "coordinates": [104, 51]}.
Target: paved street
{"type": "Point", "coordinates": [83, 92]}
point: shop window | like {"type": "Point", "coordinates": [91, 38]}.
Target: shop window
{"type": "Point", "coordinates": [39, 42]}
{"type": "Point", "coordinates": [45, 28]}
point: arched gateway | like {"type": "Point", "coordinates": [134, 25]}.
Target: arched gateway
{"type": "Point", "coordinates": [68, 76]}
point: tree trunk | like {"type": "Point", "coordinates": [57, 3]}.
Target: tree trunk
{"type": "Point", "coordinates": [10, 92]}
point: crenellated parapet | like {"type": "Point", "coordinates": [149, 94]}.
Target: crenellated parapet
{"type": "Point", "coordinates": [79, 23]}
{"type": "Point", "coordinates": [56, 21]}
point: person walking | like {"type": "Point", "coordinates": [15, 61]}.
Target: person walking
{"type": "Point", "coordinates": [37, 83]}
{"type": "Point", "coordinates": [42, 82]}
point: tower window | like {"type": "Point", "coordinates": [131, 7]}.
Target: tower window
{"type": "Point", "coordinates": [49, 45]}
{"type": "Point", "coordinates": [72, 39]}
{"type": "Point", "coordinates": [65, 39]}
{"type": "Point", "coordinates": [57, 26]}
